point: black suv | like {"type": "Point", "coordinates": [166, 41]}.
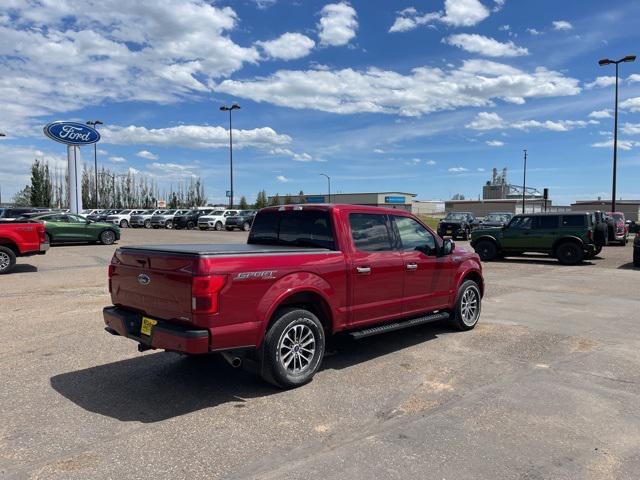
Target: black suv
{"type": "Point", "coordinates": [190, 219]}
{"type": "Point", "coordinates": [242, 221]}
{"type": "Point", "coordinates": [457, 224]}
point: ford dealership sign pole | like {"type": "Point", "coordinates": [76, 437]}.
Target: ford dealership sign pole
{"type": "Point", "coordinates": [73, 135]}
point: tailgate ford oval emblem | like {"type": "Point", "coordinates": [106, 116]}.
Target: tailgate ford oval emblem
{"type": "Point", "coordinates": [144, 279]}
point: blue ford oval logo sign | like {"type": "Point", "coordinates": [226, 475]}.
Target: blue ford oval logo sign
{"type": "Point", "coordinates": [71, 133]}
{"type": "Point", "coordinates": [144, 279]}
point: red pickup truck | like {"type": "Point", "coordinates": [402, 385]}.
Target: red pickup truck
{"type": "Point", "coordinates": [307, 272]}
{"type": "Point", "coordinates": [20, 239]}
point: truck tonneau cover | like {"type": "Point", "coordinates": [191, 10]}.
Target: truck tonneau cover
{"type": "Point", "coordinates": [224, 249]}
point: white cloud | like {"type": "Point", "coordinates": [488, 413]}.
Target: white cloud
{"type": "Point", "coordinates": [622, 144]}
{"type": "Point", "coordinates": [431, 163]}
{"type": "Point", "coordinates": [633, 78]}
{"type": "Point", "coordinates": [562, 25]}
{"type": "Point", "coordinates": [495, 143]}
{"type": "Point", "coordinates": [338, 24]}
{"type": "Point", "coordinates": [102, 151]}
{"type": "Point", "coordinates": [602, 82]}
{"type": "Point", "coordinates": [504, 28]}
{"type": "Point", "coordinates": [378, 150]}
{"type": "Point", "coordinates": [480, 169]}
{"type": "Point", "coordinates": [464, 13]}
{"type": "Point", "coordinates": [16, 166]}
{"type": "Point", "coordinates": [631, 128]}
{"type": "Point", "coordinates": [117, 159]}
{"type": "Point", "coordinates": [493, 121]}
{"type": "Point", "coordinates": [264, 4]}
{"type": "Point", "coordinates": [458, 169]}
{"type": "Point", "coordinates": [413, 162]}
{"type": "Point", "coordinates": [600, 114]}
{"type": "Point", "coordinates": [288, 46]}
{"type": "Point", "coordinates": [457, 13]}
{"type": "Point", "coordinates": [157, 51]}
{"type": "Point", "coordinates": [147, 155]}
{"type": "Point", "coordinates": [426, 89]}
{"type": "Point", "coordinates": [172, 170]}
{"type": "Point", "coordinates": [298, 157]}
{"type": "Point", "coordinates": [193, 136]}
{"type": "Point", "coordinates": [631, 104]}
{"type": "Point", "coordinates": [533, 31]}
{"type": "Point", "coordinates": [498, 5]}
{"type": "Point", "coordinates": [486, 46]}
{"type": "Point", "coordinates": [282, 179]}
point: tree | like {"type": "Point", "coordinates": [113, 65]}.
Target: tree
{"type": "Point", "coordinates": [301, 198]}
{"type": "Point", "coordinates": [23, 197]}
{"type": "Point", "coordinates": [458, 196]}
{"type": "Point", "coordinates": [275, 200]}
{"type": "Point", "coordinates": [243, 203]}
{"type": "Point", "coordinates": [287, 199]}
{"type": "Point", "coordinates": [261, 200]}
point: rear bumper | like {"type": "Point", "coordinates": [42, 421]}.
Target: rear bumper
{"type": "Point", "coordinates": [164, 335]}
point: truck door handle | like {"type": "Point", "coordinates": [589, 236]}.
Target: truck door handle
{"type": "Point", "coordinates": [363, 270]}
{"type": "Point", "coordinates": [412, 266]}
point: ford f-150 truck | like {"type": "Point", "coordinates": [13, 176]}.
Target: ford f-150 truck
{"type": "Point", "coordinates": [307, 272]}
{"type": "Point", "coordinates": [20, 238]}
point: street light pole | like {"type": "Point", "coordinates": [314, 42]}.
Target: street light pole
{"type": "Point", "coordinates": [329, 184]}
{"type": "Point", "coordinates": [524, 182]}
{"type": "Point", "coordinates": [602, 63]}
{"type": "Point", "coordinates": [224, 108]}
{"type": "Point", "coordinates": [1, 135]}
{"type": "Point", "coordinates": [95, 124]}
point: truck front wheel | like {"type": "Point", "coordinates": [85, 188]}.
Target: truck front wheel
{"type": "Point", "coordinates": [293, 348]}
{"type": "Point", "coordinates": [467, 308]}
{"type": "Point", "coordinates": [487, 250]}
{"type": "Point", "coordinates": [7, 260]}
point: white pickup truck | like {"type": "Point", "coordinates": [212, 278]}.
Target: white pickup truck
{"type": "Point", "coordinates": [215, 220]}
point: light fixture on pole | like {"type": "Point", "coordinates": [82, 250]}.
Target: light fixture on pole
{"type": "Point", "coordinates": [524, 181]}
{"type": "Point", "coordinates": [224, 108]}
{"type": "Point", "coordinates": [602, 63]}
{"type": "Point", "coordinates": [95, 124]}
{"type": "Point", "coordinates": [329, 184]}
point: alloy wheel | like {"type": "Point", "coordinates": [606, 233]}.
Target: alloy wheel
{"type": "Point", "coordinates": [5, 261]}
{"type": "Point", "coordinates": [297, 348]}
{"type": "Point", "coordinates": [469, 306]}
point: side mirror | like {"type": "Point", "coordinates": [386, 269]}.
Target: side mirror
{"type": "Point", "coordinates": [448, 246]}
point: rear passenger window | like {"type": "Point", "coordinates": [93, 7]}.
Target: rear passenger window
{"type": "Point", "coordinates": [573, 221]}
{"type": "Point", "coordinates": [546, 222]}
{"type": "Point", "coordinates": [370, 232]}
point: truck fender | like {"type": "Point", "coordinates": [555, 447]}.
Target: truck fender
{"type": "Point", "coordinates": [286, 287]}
{"type": "Point", "coordinates": [488, 237]}
{"type": "Point", "coordinates": [468, 270]}
{"type": "Point", "coordinates": [569, 238]}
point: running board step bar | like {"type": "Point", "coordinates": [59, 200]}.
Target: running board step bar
{"type": "Point", "coordinates": [390, 327]}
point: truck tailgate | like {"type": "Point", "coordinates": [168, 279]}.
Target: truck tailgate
{"type": "Point", "coordinates": [155, 284]}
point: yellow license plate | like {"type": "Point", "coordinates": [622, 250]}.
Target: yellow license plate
{"type": "Point", "coordinates": [147, 326]}
{"type": "Point", "coordinates": [449, 232]}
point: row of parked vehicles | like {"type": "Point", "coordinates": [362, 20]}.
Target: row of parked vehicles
{"type": "Point", "coordinates": [204, 219]}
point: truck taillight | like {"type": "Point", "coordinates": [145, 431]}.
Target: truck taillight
{"type": "Point", "coordinates": [41, 234]}
{"type": "Point", "coordinates": [112, 268]}
{"type": "Point", "coordinates": [204, 292]}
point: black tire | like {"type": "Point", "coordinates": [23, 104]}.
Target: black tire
{"type": "Point", "coordinates": [48, 238]}
{"type": "Point", "coordinates": [156, 227]}
{"type": "Point", "coordinates": [169, 224]}
{"type": "Point", "coordinates": [598, 249]}
{"type": "Point", "coordinates": [7, 260]}
{"type": "Point", "coordinates": [218, 226]}
{"type": "Point", "coordinates": [147, 224]}
{"type": "Point", "coordinates": [228, 229]}
{"type": "Point", "coordinates": [107, 237]}
{"type": "Point", "coordinates": [468, 306]}
{"type": "Point", "coordinates": [191, 225]}
{"type": "Point", "coordinates": [569, 253]}
{"type": "Point", "coordinates": [281, 338]}
{"type": "Point", "coordinates": [246, 227]}
{"type": "Point", "coordinates": [487, 250]}
{"type": "Point", "coordinates": [467, 234]}
{"type": "Point", "coordinates": [203, 228]}
{"type": "Point", "coordinates": [124, 223]}
{"type": "Point", "coordinates": [636, 257]}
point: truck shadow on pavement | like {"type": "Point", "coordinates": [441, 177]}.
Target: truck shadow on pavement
{"type": "Point", "coordinates": [24, 268]}
{"type": "Point", "coordinates": [158, 386]}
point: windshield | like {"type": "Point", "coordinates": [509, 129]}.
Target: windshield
{"type": "Point", "coordinates": [300, 228]}
{"type": "Point", "coordinates": [618, 217]}
{"type": "Point", "coordinates": [217, 212]}
{"type": "Point", "coordinates": [456, 216]}
{"type": "Point", "coordinates": [497, 218]}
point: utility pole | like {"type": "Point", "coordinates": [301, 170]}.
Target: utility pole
{"type": "Point", "coordinates": [1, 135]}
{"type": "Point", "coordinates": [524, 182]}
{"type": "Point", "coordinates": [602, 63]}
{"type": "Point", "coordinates": [329, 184]}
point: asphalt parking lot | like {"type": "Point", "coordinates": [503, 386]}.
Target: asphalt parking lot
{"type": "Point", "coordinates": [547, 386]}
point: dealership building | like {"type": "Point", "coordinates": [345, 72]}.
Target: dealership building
{"type": "Point", "coordinates": [399, 200]}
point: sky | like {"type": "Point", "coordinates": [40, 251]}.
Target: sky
{"type": "Point", "coordinates": [419, 96]}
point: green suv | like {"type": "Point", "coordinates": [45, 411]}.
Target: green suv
{"type": "Point", "coordinates": [569, 237]}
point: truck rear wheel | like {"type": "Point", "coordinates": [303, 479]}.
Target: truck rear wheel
{"type": "Point", "coordinates": [468, 304]}
{"type": "Point", "coordinates": [218, 226]}
{"type": "Point", "coordinates": [7, 260]}
{"type": "Point", "coordinates": [293, 348]}
{"type": "Point", "coordinates": [569, 253]}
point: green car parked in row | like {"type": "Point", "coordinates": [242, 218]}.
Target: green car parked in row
{"type": "Point", "coordinates": [68, 227]}
{"type": "Point", "coordinates": [569, 237]}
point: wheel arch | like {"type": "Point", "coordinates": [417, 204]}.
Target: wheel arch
{"type": "Point", "coordinates": [489, 238]}
{"type": "Point", "coordinates": [11, 245]}
{"type": "Point", "coordinates": [570, 238]}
